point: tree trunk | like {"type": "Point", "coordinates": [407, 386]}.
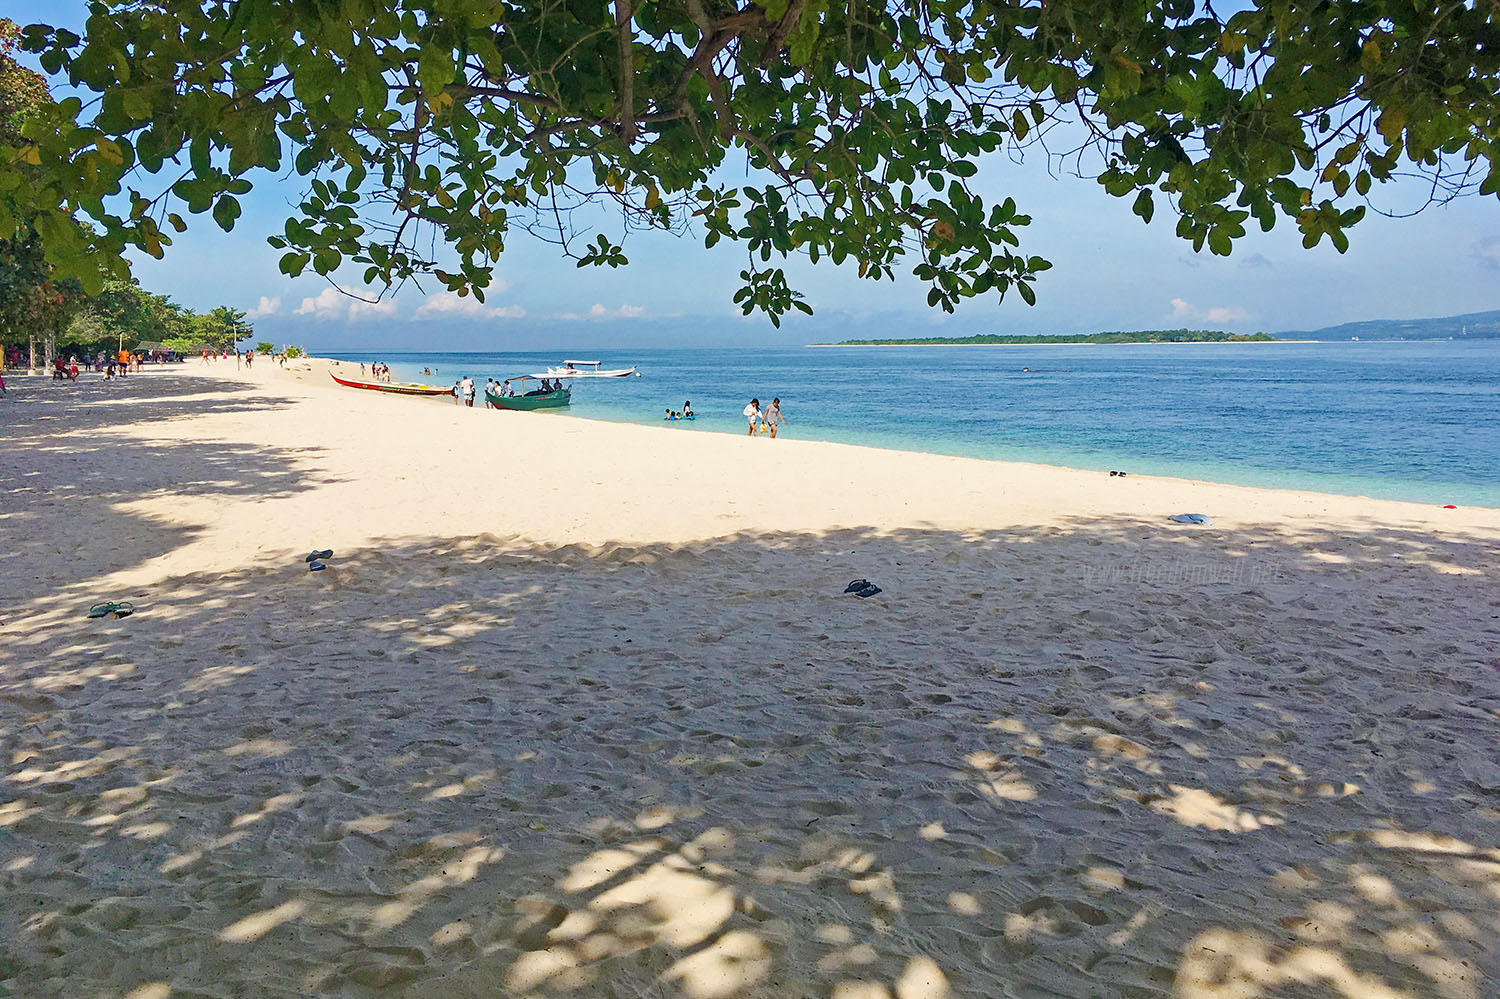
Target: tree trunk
{"type": "Point", "coordinates": [31, 354]}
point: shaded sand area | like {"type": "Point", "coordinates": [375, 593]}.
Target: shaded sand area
{"type": "Point", "coordinates": [579, 709]}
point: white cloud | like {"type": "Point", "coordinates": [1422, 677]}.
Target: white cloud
{"type": "Point", "coordinates": [1185, 310]}
{"type": "Point", "coordinates": [377, 309]}
{"type": "Point", "coordinates": [265, 307]}
{"type": "Point", "coordinates": [598, 311]}
{"type": "Point", "coordinates": [447, 303]}
{"type": "Point", "coordinates": [328, 304]}
{"type": "Point", "coordinates": [331, 303]}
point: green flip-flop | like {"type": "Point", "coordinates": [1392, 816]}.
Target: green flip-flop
{"type": "Point", "coordinates": [119, 608]}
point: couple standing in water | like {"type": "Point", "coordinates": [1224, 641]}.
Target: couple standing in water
{"type": "Point", "coordinates": [770, 419]}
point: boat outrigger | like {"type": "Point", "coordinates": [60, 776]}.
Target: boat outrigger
{"type": "Point", "coordinates": [398, 388]}
{"type": "Point", "coordinates": [587, 369]}
{"type": "Point", "coordinates": [538, 398]}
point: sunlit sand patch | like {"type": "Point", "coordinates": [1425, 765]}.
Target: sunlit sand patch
{"type": "Point", "coordinates": [963, 903]}
{"type": "Point", "coordinates": [151, 990]}
{"type": "Point", "coordinates": [922, 979]}
{"type": "Point", "coordinates": [369, 824]}
{"type": "Point", "coordinates": [213, 677]}
{"type": "Point", "coordinates": [1224, 964]}
{"type": "Point", "coordinates": [932, 832]}
{"type": "Point", "coordinates": [268, 748]}
{"type": "Point", "coordinates": [685, 908]}
{"type": "Point", "coordinates": [1323, 922]}
{"type": "Point", "coordinates": [848, 957]}
{"type": "Point", "coordinates": [1103, 879]}
{"type": "Point", "coordinates": [452, 933]}
{"type": "Point", "coordinates": [414, 895]}
{"type": "Point", "coordinates": [14, 811]}
{"type": "Point", "coordinates": [541, 966]}
{"type": "Point", "coordinates": [733, 962]}
{"type": "Point", "coordinates": [252, 928]}
{"type": "Point", "coordinates": [1425, 842]}
{"type": "Point", "coordinates": [75, 769]}
{"type": "Point", "coordinates": [1196, 807]}
{"type": "Point", "coordinates": [147, 830]}
{"type": "Point", "coordinates": [271, 806]}
{"type": "Point", "coordinates": [1117, 745]}
{"type": "Point", "coordinates": [602, 865]}
{"type": "Point", "coordinates": [1133, 925]}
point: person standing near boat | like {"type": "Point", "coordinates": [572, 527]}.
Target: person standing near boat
{"type": "Point", "coordinates": [468, 391]}
{"type": "Point", "coordinates": [752, 413]}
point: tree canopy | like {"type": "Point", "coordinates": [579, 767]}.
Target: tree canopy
{"type": "Point", "coordinates": [424, 124]}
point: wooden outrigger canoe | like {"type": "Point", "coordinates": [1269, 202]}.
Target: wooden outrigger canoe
{"type": "Point", "coordinates": [536, 399]}
{"type": "Point", "coordinates": [398, 388]}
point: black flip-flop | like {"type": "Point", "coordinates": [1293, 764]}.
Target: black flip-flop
{"type": "Point", "coordinates": [869, 591]}
{"type": "Point", "coordinates": [325, 553]}
{"type": "Point", "coordinates": [315, 566]}
{"type": "Point", "coordinates": [856, 586]}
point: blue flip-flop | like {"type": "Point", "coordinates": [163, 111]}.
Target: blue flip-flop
{"type": "Point", "coordinates": [869, 590]}
{"type": "Point", "coordinates": [856, 586]}
{"type": "Point", "coordinates": [315, 566]}
{"type": "Point", "coordinates": [325, 553]}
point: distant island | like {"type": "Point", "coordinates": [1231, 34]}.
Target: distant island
{"type": "Point", "coordinates": [1136, 336]}
{"type": "Point", "coordinates": [1471, 326]}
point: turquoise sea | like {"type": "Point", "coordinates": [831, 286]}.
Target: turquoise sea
{"type": "Point", "coordinates": [1413, 421]}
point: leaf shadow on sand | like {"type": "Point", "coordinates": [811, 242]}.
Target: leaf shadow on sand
{"type": "Point", "coordinates": [1100, 759]}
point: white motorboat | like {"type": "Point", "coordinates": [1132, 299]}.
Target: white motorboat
{"type": "Point", "coordinates": [587, 369]}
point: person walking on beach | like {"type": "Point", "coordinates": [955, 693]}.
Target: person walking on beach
{"type": "Point", "coordinates": [773, 417]}
{"type": "Point", "coordinates": [752, 413]}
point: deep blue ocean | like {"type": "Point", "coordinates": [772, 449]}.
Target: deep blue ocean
{"type": "Point", "coordinates": [1411, 421]}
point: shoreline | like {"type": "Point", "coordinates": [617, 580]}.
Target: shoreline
{"type": "Point", "coordinates": [1189, 480]}
{"type": "Point", "coordinates": [579, 707]}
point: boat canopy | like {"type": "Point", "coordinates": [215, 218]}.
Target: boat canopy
{"type": "Point", "coordinates": [582, 364]}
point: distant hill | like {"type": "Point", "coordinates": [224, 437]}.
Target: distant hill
{"type": "Point", "coordinates": [1474, 326]}
{"type": "Point", "coordinates": [1137, 336]}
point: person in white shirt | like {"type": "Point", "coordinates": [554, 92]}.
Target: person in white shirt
{"type": "Point", "coordinates": [752, 413]}
{"type": "Point", "coordinates": [468, 391]}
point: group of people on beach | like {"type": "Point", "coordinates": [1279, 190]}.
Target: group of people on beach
{"type": "Point", "coordinates": [111, 365]}
{"type": "Point", "coordinates": [765, 421]}
{"type": "Point", "coordinates": [463, 391]}
{"type": "Point", "coordinates": [379, 370]}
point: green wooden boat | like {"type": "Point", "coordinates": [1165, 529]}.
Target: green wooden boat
{"type": "Point", "coordinates": [524, 400]}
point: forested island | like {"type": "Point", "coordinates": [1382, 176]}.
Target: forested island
{"type": "Point", "coordinates": [1136, 336]}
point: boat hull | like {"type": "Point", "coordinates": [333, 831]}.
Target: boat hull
{"type": "Point", "coordinates": [542, 400]}
{"type": "Point", "coordinates": [585, 373]}
{"type": "Point", "coordinates": [395, 388]}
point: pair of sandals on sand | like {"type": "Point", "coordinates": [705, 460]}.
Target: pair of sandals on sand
{"type": "Point", "coordinates": [314, 560]}
{"type": "Point", "coordinates": [112, 608]}
{"type": "Point", "coordinates": [862, 588]}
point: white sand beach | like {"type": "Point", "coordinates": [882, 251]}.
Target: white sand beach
{"type": "Point", "coordinates": [581, 709]}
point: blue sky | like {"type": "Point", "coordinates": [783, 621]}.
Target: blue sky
{"type": "Point", "coordinates": [1110, 272]}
